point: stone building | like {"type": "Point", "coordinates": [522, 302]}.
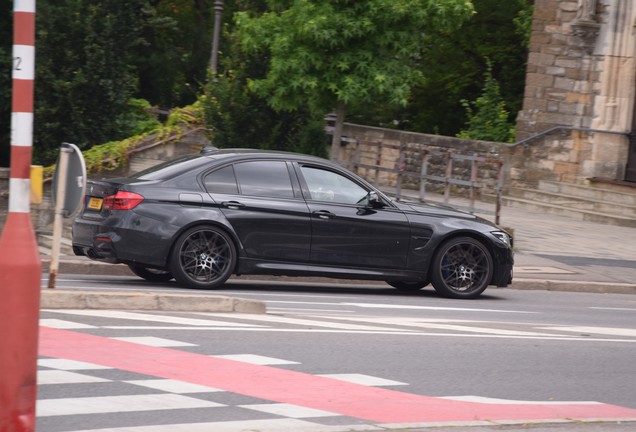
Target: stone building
{"type": "Point", "coordinates": [578, 122]}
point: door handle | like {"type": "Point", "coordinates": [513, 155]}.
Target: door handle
{"type": "Point", "coordinates": [233, 205]}
{"type": "Point", "coordinates": [324, 214]}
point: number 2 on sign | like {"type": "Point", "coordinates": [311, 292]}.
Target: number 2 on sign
{"type": "Point", "coordinates": [17, 62]}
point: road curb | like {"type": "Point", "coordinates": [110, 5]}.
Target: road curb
{"type": "Point", "coordinates": [126, 300]}
{"type": "Point", "coordinates": [573, 286]}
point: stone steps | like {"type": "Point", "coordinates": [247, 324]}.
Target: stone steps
{"type": "Point", "coordinates": [579, 202]}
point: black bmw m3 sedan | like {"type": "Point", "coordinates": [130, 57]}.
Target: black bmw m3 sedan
{"type": "Point", "coordinates": [203, 217]}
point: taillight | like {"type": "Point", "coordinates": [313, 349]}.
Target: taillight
{"type": "Point", "coordinates": [122, 201]}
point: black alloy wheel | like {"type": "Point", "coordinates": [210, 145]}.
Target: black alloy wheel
{"type": "Point", "coordinates": [203, 257]}
{"type": "Point", "coordinates": [462, 268]}
{"type": "Point", "coordinates": [150, 274]}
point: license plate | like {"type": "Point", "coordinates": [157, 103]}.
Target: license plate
{"type": "Point", "coordinates": [95, 203]}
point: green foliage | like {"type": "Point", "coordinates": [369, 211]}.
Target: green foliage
{"type": "Point", "coordinates": [140, 118]}
{"type": "Point", "coordinates": [85, 76]}
{"type": "Point", "coordinates": [114, 154]}
{"type": "Point", "coordinates": [487, 116]}
{"type": "Point", "coordinates": [323, 52]}
{"type": "Point", "coordinates": [454, 64]}
{"type": "Point", "coordinates": [523, 20]}
{"type": "Point", "coordinates": [312, 139]}
{"type": "Point", "coordinates": [6, 38]}
{"type": "Point", "coordinates": [239, 118]}
{"type": "Point", "coordinates": [94, 58]}
{"type": "Point", "coordinates": [172, 63]}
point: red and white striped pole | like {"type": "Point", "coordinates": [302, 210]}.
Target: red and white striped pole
{"type": "Point", "coordinates": [20, 264]}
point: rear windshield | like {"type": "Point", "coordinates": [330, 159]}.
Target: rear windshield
{"type": "Point", "coordinates": [172, 168]}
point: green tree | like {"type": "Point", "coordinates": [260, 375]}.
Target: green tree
{"type": "Point", "coordinates": [455, 64]}
{"type": "Point", "coordinates": [172, 63]}
{"type": "Point", "coordinates": [6, 41]}
{"type": "Point", "coordinates": [238, 117]}
{"type": "Point", "coordinates": [328, 54]}
{"type": "Point", "coordinates": [488, 117]}
{"type": "Point", "coordinates": [85, 74]}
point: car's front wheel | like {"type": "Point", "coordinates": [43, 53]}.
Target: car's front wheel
{"type": "Point", "coordinates": [462, 268]}
{"type": "Point", "coordinates": [150, 274]}
{"type": "Point", "coordinates": [203, 257]}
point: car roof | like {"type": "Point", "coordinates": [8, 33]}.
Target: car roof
{"type": "Point", "coordinates": [194, 161]}
{"type": "Point", "coordinates": [239, 153]}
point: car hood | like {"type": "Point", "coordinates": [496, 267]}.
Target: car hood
{"type": "Point", "coordinates": [440, 210]}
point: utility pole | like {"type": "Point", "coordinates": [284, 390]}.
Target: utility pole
{"type": "Point", "coordinates": [218, 11]}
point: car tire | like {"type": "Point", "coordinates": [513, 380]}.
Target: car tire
{"type": "Point", "coordinates": [462, 268]}
{"type": "Point", "coordinates": [150, 274]}
{"type": "Point", "coordinates": [203, 257]}
{"type": "Point", "coordinates": [408, 286]}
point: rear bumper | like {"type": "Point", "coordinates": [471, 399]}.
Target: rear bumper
{"type": "Point", "coordinates": [123, 240]}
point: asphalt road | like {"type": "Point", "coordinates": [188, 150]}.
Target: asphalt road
{"type": "Point", "coordinates": [509, 345]}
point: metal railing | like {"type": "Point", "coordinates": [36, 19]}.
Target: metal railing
{"type": "Point", "coordinates": [526, 141]}
{"type": "Point", "coordinates": [428, 174]}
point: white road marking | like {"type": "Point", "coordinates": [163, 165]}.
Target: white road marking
{"type": "Point", "coordinates": [256, 359]}
{"type": "Point", "coordinates": [293, 295]}
{"type": "Point", "coordinates": [65, 377]}
{"type": "Point", "coordinates": [613, 308]}
{"type": "Point", "coordinates": [472, 329]}
{"type": "Point", "coordinates": [300, 310]}
{"type": "Point", "coordinates": [332, 303]}
{"type": "Point", "coordinates": [362, 379]}
{"type": "Point", "coordinates": [69, 364]}
{"type": "Point", "coordinates": [289, 410]}
{"type": "Point", "coordinates": [303, 322]}
{"type": "Point", "coordinates": [154, 341]}
{"type": "Point", "coordinates": [361, 325]}
{"type": "Point", "coordinates": [595, 330]}
{"type": "Point", "coordinates": [265, 425]}
{"type": "Point", "coordinates": [173, 386]}
{"type": "Point", "coordinates": [62, 324]}
{"type": "Point", "coordinates": [392, 306]}
{"type": "Point", "coordinates": [401, 332]}
{"type": "Point", "coordinates": [440, 324]}
{"type": "Point", "coordinates": [487, 400]}
{"type": "Point", "coordinates": [117, 404]}
{"type": "Point", "coordinates": [168, 319]}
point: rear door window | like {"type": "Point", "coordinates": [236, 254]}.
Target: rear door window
{"type": "Point", "coordinates": [264, 178]}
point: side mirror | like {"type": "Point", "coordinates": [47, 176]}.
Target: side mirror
{"type": "Point", "coordinates": [373, 200]}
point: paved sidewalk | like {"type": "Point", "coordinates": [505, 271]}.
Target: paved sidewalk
{"type": "Point", "coordinates": [556, 252]}
{"type": "Point", "coordinates": [551, 253]}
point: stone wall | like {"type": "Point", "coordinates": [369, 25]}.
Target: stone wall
{"type": "Point", "coordinates": [392, 159]}
{"type": "Point", "coordinates": [580, 75]}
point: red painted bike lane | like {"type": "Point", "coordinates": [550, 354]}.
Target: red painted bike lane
{"type": "Point", "coordinates": [302, 389]}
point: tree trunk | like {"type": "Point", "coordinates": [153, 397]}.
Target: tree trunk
{"type": "Point", "coordinates": [337, 132]}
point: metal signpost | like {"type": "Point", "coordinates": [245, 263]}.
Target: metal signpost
{"type": "Point", "coordinates": [69, 185]}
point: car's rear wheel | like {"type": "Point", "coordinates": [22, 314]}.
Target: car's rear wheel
{"type": "Point", "coordinates": [408, 286]}
{"type": "Point", "coordinates": [462, 268]}
{"type": "Point", "coordinates": [150, 274]}
{"type": "Point", "coordinates": [203, 257]}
